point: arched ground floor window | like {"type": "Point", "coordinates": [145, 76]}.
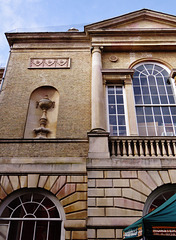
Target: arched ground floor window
{"type": "Point", "coordinates": [31, 214]}
{"type": "Point", "coordinates": [158, 197]}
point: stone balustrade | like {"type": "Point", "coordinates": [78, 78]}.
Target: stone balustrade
{"type": "Point", "coordinates": [142, 146]}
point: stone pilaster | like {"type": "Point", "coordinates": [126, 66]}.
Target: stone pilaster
{"type": "Point", "coordinates": [131, 107]}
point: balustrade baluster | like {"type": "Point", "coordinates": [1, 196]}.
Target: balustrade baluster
{"type": "Point", "coordinates": [157, 148]}
{"type": "Point", "coordinates": [174, 147]}
{"type": "Point", "coordinates": [163, 148]}
{"type": "Point", "coordinates": [124, 148]}
{"type": "Point", "coordinates": [113, 148]}
{"type": "Point", "coordinates": [152, 148]}
{"type": "Point", "coordinates": [118, 147]}
{"type": "Point", "coordinates": [141, 151]}
{"type": "Point", "coordinates": [135, 148]}
{"type": "Point", "coordinates": [169, 147]}
{"type": "Point", "coordinates": [146, 149]}
{"type": "Point", "coordinates": [130, 152]}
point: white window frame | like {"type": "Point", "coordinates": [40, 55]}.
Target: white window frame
{"type": "Point", "coordinates": [125, 107]}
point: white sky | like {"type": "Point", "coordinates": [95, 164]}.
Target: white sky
{"type": "Point", "coordinates": [37, 14]}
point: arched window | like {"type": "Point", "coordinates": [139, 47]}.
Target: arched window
{"type": "Point", "coordinates": [154, 100]}
{"type": "Point", "coordinates": [29, 215]}
{"type": "Point", "coordinates": [158, 197]}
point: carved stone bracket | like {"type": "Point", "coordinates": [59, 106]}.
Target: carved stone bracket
{"type": "Point", "coordinates": [49, 63]}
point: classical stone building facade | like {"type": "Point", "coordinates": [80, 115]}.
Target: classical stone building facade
{"type": "Point", "coordinates": [87, 136]}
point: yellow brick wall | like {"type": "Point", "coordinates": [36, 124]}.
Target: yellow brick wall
{"type": "Point", "coordinates": [72, 84]}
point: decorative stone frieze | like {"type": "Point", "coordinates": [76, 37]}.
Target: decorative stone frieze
{"type": "Point", "coordinates": [49, 63]}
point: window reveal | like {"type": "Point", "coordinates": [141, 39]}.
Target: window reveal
{"type": "Point", "coordinates": [116, 110]}
{"type": "Point", "coordinates": [154, 100]}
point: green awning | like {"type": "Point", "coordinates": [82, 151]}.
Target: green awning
{"type": "Point", "coordinates": [160, 222]}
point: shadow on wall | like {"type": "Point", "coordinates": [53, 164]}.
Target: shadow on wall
{"type": "Point", "coordinates": [42, 113]}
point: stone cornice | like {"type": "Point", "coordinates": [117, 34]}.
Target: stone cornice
{"type": "Point", "coordinates": [138, 31]}
{"type": "Point", "coordinates": [45, 37]}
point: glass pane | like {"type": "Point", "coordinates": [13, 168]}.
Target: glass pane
{"type": "Point", "coordinates": [30, 207]}
{"type": "Point", "coordinates": [111, 99]}
{"type": "Point", "coordinates": [38, 197]}
{"type": "Point", "coordinates": [171, 99]}
{"type": "Point", "coordinates": [140, 68]}
{"type": "Point", "coordinates": [135, 81]}
{"type": "Point", "coordinates": [53, 212]}
{"type": "Point", "coordinates": [48, 203]}
{"type": "Point", "coordinates": [165, 73]}
{"type": "Point", "coordinates": [163, 99]}
{"type": "Point", "coordinates": [41, 213]}
{"type": "Point", "coordinates": [174, 119]}
{"type": "Point", "coordinates": [140, 119]}
{"type": "Point", "coordinates": [165, 110]}
{"type": "Point", "coordinates": [146, 99]}
{"type": "Point", "coordinates": [149, 120]}
{"type": "Point", "coordinates": [111, 90]}
{"type": "Point", "coordinates": [18, 213]}
{"type": "Point", "coordinates": [15, 203]}
{"type": "Point", "coordinates": [148, 110]}
{"type": "Point", "coordinates": [157, 110]}
{"type": "Point", "coordinates": [112, 120]}
{"type": "Point", "coordinates": [155, 99]}
{"type": "Point", "coordinates": [137, 91]}
{"type": "Point", "coordinates": [153, 90]}
{"type": "Point", "coordinates": [26, 197]}
{"type": "Point", "coordinates": [41, 230]}
{"type": "Point", "coordinates": [159, 80]}
{"type": "Point", "coordinates": [28, 230]}
{"type": "Point", "coordinates": [149, 68]}
{"type": "Point", "coordinates": [118, 90]}
{"type": "Point", "coordinates": [55, 230]}
{"type": "Point", "coordinates": [113, 130]}
{"type": "Point", "coordinates": [160, 130]}
{"type": "Point", "coordinates": [145, 90]}
{"type": "Point", "coordinates": [121, 120]}
{"type": "Point", "coordinates": [158, 121]}
{"type": "Point", "coordinates": [173, 110]}
{"type": "Point", "coordinates": [158, 68]}
{"type": "Point", "coordinates": [151, 131]}
{"type": "Point", "coordinates": [169, 131]}
{"type": "Point", "coordinates": [112, 109]}
{"type": "Point", "coordinates": [139, 111]}
{"type": "Point", "coordinates": [167, 119]}
{"type": "Point", "coordinates": [161, 90]}
{"type": "Point", "coordinates": [142, 130]}
{"type": "Point", "coordinates": [169, 89]}
{"type": "Point", "coordinates": [143, 79]}
{"type": "Point", "coordinates": [151, 79]}
{"type": "Point", "coordinates": [122, 131]}
{"type": "Point", "coordinates": [119, 99]}
{"type": "Point", "coordinates": [14, 230]}
{"type": "Point", "coordinates": [7, 212]}
{"type": "Point", "coordinates": [120, 109]}
{"type": "Point", "coordinates": [138, 99]}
